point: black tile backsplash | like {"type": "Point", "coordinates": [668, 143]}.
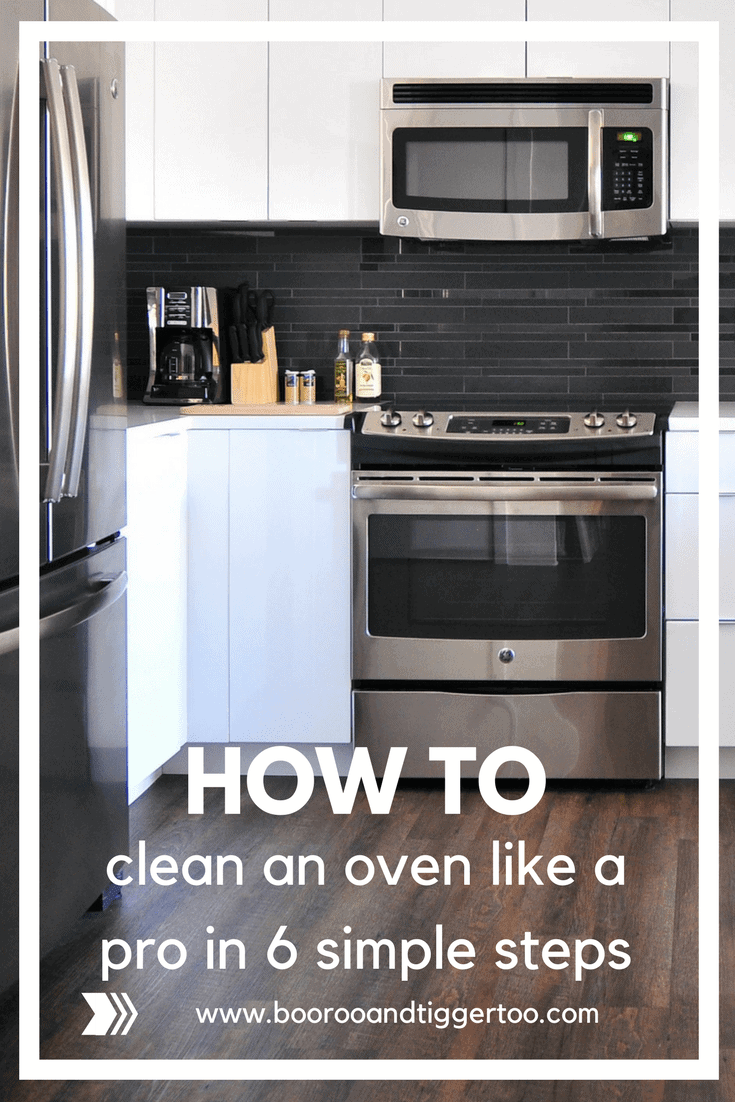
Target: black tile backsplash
{"type": "Point", "coordinates": [471, 322]}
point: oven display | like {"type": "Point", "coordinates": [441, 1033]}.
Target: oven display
{"type": "Point", "coordinates": [508, 426]}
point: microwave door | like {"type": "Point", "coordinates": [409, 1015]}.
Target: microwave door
{"type": "Point", "coordinates": [581, 173]}
{"type": "Point", "coordinates": [488, 174]}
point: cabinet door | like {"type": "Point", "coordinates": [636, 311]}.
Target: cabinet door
{"type": "Point", "coordinates": [323, 110]}
{"type": "Point", "coordinates": [208, 681]}
{"type": "Point", "coordinates": [684, 131]}
{"type": "Point", "coordinates": [289, 586]}
{"type": "Point", "coordinates": [682, 686]}
{"type": "Point", "coordinates": [156, 533]}
{"type": "Point", "coordinates": [211, 118]}
{"type": "Point", "coordinates": [139, 122]}
{"type": "Point", "coordinates": [454, 59]}
{"type": "Point", "coordinates": [682, 462]}
{"type": "Point", "coordinates": [681, 466]}
{"type": "Point", "coordinates": [727, 684]}
{"type": "Point", "coordinates": [682, 693]}
{"type": "Point", "coordinates": [685, 120]}
{"type": "Point", "coordinates": [682, 557]}
{"type": "Point", "coordinates": [598, 59]}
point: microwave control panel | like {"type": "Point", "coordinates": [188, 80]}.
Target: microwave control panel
{"type": "Point", "coordinates": [627, 168]}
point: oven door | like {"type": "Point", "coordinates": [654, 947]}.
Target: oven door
{"type": "Point", "coordinates": [523, 173]}
{"type": "Point", "coordinates": [529, 577]}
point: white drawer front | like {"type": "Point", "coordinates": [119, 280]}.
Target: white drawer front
{"type": "Point", "coordinates": [681, 462]}
{"type": "Point", "coordinates": [727, 685]}
{"type": "Point", "coordinates": [682, 696]}
{"type": "Point", "coordinates": [682, 558]}
{"type": "Point", "coordinates": [682, 457]}
{"type": "Point", "coordinates": [682, 691]}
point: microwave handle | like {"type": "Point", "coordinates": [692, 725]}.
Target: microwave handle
{"type": "Point", "coordinates": [594, 172]}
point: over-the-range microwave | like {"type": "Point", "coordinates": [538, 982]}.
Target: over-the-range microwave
{"type": "Point", "coordinates": [524, 159]}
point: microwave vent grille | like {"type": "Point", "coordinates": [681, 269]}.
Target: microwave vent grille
{"type": "Point", "coordinates": [504, 92]}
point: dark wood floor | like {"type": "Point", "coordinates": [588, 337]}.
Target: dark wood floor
{"type": "Point", "coordinates": [648, 1010]}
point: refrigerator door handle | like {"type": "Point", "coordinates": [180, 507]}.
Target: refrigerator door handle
{"type": "Point", "coordinates": [103, 593]}
{"type": "Point", "coordinates": [68, 281]}
{"type": "Point", "coordinates": [85, 238]}
{"type": "Point", "coordinates": [10, 342]}
{"type": "Point", "coordinates": [8, 641]}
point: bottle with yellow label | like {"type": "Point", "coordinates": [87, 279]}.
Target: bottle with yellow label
{"type": "Point", "coordinates": [367, 369]}
{"type": "Point", "coordinates": [343, 369]}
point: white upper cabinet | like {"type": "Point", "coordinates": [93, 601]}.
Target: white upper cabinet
{"type": "Point", "coordinates": [598, 59]}
{"type": "Point", "coordinates": [196, 117]}
{"type": "Point", "coordinates": [139, 126]}
{"type": "Point", "coordinates": [323, 118]}
{"type": "Point", "coordinates": [211, 118]}
{"type": "Point", "coordinates": [684, 100]}
{"type": "Point", "coordinates": [454, 59]}
{"type": "Point", "coordinates": [289, 130]}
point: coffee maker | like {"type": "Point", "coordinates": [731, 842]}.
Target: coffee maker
{"type": "Point", "coordinates": [183, 338]}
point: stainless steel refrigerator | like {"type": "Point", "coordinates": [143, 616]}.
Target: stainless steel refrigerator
{"type": "Point", "coordinates": [82, 471]}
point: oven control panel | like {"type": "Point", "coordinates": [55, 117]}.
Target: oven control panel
{"type": "Point", "coordinates": [422, 424]}
{"type": "Point", "coordinates": [507, 426]}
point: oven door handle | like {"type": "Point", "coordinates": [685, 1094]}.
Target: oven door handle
{"type": "Point", "coordinates": [643, 491]}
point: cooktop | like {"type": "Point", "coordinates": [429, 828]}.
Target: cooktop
{"type": "Point", "coordinates": [423, 424]}
{"type": "Point", "coordinates": [391, 439]}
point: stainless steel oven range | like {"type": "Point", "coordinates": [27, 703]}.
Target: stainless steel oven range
{"type": "Point", "coordinates": [507, 588]}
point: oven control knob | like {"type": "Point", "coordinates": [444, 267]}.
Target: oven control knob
{"type": "Point", "coordinates": [626, 420]}
{"type": "Point", "coordinates": [423, 419]}
{"type": "Point", "coordinates": [594, 420]}
{"type": "Point", "coordinates": [390, 419]}
{"type": "Point", "coordinates": [506, 654]}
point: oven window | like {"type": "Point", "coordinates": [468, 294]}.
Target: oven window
{"type": "Point", "coordinates": [490, 169]}
{"type": "Point", "coordinates": [507, 577]}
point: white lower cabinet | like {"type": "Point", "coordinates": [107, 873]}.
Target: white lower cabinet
{"type": "Point", "coordinates": [682, 588]}
{"type": "Point", "coordinates": [289, 586]}
{"type": "Point", "coordinates": [269, 586]}
{"type": "Point", "coordinates": [208, 555]}
{"type": "Point", "coordinates": [239, 589]}
{"type": "Point", "coordinates": [157, 587]}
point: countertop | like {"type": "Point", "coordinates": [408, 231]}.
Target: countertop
{"type": "Point", "coordinates": [321, 415]}
{"type": "Point", "coordinates": [684, 417]}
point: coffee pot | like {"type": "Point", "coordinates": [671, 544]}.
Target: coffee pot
{"type": "Point", "coordinates": [183, 330]}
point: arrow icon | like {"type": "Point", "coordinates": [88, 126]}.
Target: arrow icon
{"type": "Point", "coordinates": [106, 1009]}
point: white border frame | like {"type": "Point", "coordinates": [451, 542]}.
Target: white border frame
{"type": "Point", "coordinates": [706, 1065]}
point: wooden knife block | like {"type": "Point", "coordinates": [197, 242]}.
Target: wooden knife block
{"type": "Point", "coordinates": [256, 384]}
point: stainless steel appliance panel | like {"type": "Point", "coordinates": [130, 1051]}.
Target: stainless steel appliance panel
{"type": "Point", "coordinates": [9, 785]}
{"type": "Point", "coordinates": [83, 733]}
{"type": "Point", "coordinates": [13, 11]}
{"type": "Point", "coordinates": [419, 561]}
{"type": "Point", "coordinates": [98, 508]}
{"type": "Point", "coordinates": [83, 724]}
{"type": "Point", "coordinates": [538, 187]}
{"type": "Point", "coordinates": [584, 735]}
